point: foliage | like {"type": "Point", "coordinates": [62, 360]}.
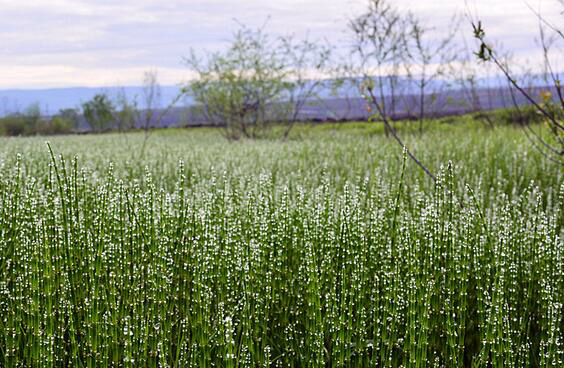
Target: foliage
{"type": "Point", "coordinates": [99, 112]}
{"type": "Point", "coordinates": [72, 116]}
{"type": "Point", "coordinates": [57, 125]}
{"type": "Point", "coordinates": [518, 116]}
{"type": "Point", "coordinates": [236, 87]}
{"type": "Point", "coordinates": [326, 251]}
{"type": "Point", "coordinates": [258, 80]}
{"type": "Point", "coordinates": [12, 125]}
{"type": "Point", "coordinates": [32, 123]}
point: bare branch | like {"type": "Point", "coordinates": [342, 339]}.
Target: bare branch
{"type": "Point", "coordinates": [396, 136]}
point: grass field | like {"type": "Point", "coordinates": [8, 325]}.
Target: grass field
{"type": "Point", "coordinates": [328, 250]}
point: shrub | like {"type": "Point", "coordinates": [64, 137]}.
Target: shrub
{"type": "Point", "coordinates": [57, 125]}
{"type": "Point", "coordinates": [259, 80]}
{"type": "Point", "coordinates": [99, 112]}
{"type": "Point", "coordinates": [523, 115]}
{"type": "Point", "coordinates": [12, 125]}
{"type": "Point", "coordinates": [31, 123]}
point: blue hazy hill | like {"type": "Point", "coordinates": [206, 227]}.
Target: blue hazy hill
{"type": "Point", "coordinates": [51, 100]}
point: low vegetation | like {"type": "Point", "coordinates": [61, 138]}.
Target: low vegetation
{"type": "Point", "coordinates": [31, 122]}
{"type": "Point", "coordinates": [329, 249]}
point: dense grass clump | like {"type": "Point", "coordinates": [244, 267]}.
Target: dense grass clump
{"type": "Point", "coordinates": [331, 250]}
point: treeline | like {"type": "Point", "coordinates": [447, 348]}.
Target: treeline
{"type": "Point", "coordinates": [31, 122]}
{"type": "Point", "coordinates": [102, 113]}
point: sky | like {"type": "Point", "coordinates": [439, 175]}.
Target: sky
{"type": "Point", "coordinates": [93, 43]}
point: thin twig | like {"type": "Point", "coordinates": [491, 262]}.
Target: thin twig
{"type": "Point", "coordinates": [524, 93]}
{"type": "Point", "coordinates": [547, 23]}
{"type": "Point", "coordinates": [396, 137]}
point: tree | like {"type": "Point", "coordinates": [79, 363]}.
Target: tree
{"type": "Point", "coordinates": [343, 92]}
{"type": "Point", "coordinates": [152, 113]}
{"type": "Point", "coordinates": [99, 112]}
{"type": "Point", "coordinates": [302, 58]}
{"type": "Point", "coordinates": [64, 122]}
{"type": "Point", "coordinates": [151, 99]}
{"type": "Point", "coordinates": [551, 146]}
{"type": "Point", "coordinates": [72, 116]}
{"type": "Point", "coordinates": [379, 46]}
{"type": "Point", "coordinates": [22, 123]}
{"type": "Point", "coordinates": [32, 118]}
{"type": "Point", "coordinates": [126, 111]}
{"type": "Point", "coordinates": [236, 87]}
{"type": "Point", "coordinates": [380, 40]}
{"type": "Point", "coordinates": [259, 80]}
{"type": "Point", "coordinates": [475, 79]}
{"type": "Point", "coordinates": [427, 60]}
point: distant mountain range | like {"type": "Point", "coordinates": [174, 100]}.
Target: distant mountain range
{"type": "Point", "coordinates": [52, 100]}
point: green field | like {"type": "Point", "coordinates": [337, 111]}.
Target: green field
{"type": "Point", "coordinates": [327, 250]}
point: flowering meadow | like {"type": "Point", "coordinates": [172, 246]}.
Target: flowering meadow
{"type": "Point", "coordinates": [331, 249]}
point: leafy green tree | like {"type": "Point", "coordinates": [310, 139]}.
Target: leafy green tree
{"type": "Point", "coordinates": [99, 112]}
{"type": "Point", "coordinates": [71, 116]}
{"type": "Point", "coordinates": [236, 86]}
{"type": "Point", "coordinates": [12, 125]}
{"type": "Point", "coordinates": [57, 125]}
{"type": "Point", "coordinates": [258, 80]}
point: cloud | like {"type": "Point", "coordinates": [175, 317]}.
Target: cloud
{"type": "Point", "coordinates": [48, 43]}
{"type": "Point", "coordinates": [53, 76]}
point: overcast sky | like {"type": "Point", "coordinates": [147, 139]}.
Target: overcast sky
{"type": "Point", "coordinates": [61, 43]}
